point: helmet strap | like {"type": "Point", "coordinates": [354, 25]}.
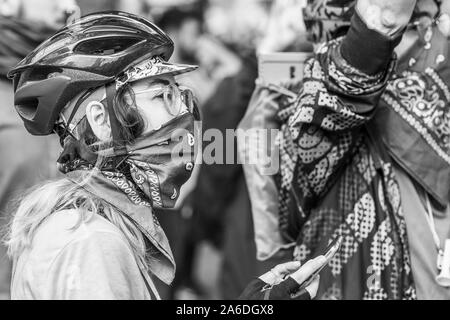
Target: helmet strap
{"type": "Point", "coordinates": [77, 106]}
{"type": "Point", "coordinates": [119, 148]}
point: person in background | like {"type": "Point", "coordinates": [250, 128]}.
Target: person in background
{"type": "Point", "coordinates": [89, 6]}
{"type": "Point", "coordinates": [132, 6]}
{"type": "Point", "coordinates": [365, 150]}
{"type": "Point", "coordinates": [24, 160]}
{"type": "Point", "coordinates": [225, 217]}
{"type": "Point", "coordinates": [157, 8]}
{"type": "Point", "coordinates": [185, 27]}
{"type": "Point", "coordinates": [221, 206]}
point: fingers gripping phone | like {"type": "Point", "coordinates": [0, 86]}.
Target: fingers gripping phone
{"type": "Point", "coordinates": [329, 253]}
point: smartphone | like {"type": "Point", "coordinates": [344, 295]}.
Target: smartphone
{"type": "Point", "coordinates": [329, 253]}
{"type": "Point", "coordinates": [284, 91]}
{"type": "Point", "coordinates": [274, 68]}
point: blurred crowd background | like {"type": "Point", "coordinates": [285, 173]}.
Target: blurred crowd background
{"type": "Point", "coordinates": [211, 230]}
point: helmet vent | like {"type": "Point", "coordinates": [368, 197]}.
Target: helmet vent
{"type": "Point", "coordinates": [27, 108]}
{"type": "Point", "coordinates": [106, 46]}
{"type": "Point", "coordinates": [41, 73]}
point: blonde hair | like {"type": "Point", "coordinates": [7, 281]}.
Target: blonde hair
{"type": "Point", "coordinates": [61, 195]}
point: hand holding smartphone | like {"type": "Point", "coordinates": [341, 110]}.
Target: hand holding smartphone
{"type": "Point", "coordinates": [327, 255]}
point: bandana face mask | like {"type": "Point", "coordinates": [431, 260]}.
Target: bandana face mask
{"type": "Point", "coordinates": [162, 161]}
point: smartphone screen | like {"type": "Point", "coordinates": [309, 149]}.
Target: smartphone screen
{"type": "Point", "coordinates": [333, 248]}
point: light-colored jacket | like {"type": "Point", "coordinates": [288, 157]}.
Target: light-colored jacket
{"type": "Point", "coordinates": [91, 261]}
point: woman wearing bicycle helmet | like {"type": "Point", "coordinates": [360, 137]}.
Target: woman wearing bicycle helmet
{"type": "Point", "coordinates": [104, 85]}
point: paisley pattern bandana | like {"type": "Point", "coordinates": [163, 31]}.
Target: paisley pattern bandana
{"type": "Point", "coordinates": [414, 115]}
{"type": "Point", "coordinates": [152, 67]}
{"type": "Point", "coordinates": [130, 201]}
{"type": "Point", "coordinates": [162, 161]}
{"type": "Point", "coordinates": [337, 180]}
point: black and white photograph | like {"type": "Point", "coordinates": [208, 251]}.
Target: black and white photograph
{"type": "Point", "coordinates": [225, 155]}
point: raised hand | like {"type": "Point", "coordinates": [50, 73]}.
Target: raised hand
{"type": "Point", "coordinates": [384, 16]}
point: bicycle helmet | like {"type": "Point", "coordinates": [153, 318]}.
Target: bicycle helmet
{"type": "Point", "coordinates": [99, 49]}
